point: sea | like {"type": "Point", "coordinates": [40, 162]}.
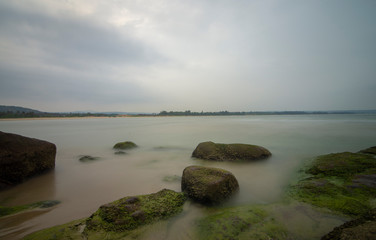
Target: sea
{"type": "Point", "coordinates": [165, 148]}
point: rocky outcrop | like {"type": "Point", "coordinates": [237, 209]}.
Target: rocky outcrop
{"type": "Point", "coordinates": [371, 150]}
{"type": "Point", "coordinates": [363, 228]}
{"type": "Point", "coordinates": [343, 182]}
{"type": "Point", "coordinates": [124, 145]}
{"type": "Point", "coordinates": [208, 185]}
{"type": "Point", "coordinates": [23, 157]}
{"type": "Point", "coordinates": [131, 212]}
{"type": "Point", "coordinates": [230, 152]}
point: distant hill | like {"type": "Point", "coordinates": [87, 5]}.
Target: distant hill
{"type": "Point", "coordinates": [15, 109]}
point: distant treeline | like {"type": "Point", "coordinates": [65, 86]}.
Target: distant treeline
{"type": "Point", "coordinates": [227, 113]}
{"type": "Point", "coordinates": [18, 114]}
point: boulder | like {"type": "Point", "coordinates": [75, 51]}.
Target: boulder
{"type": "Point", "coordinates": [125, 145]}
{"type": "Point", "coordinates": [371, 150]}
{"type": "Point", "coordinates": [208, 185]}
{"type": "Point", "coordinates": [22, 157]}
{"type": "Point", "coordinates": [230, 152]}
{"type": "Point", "coordinates": [363, 228]}
{"type": "Point", "coordinates": [131, 212]}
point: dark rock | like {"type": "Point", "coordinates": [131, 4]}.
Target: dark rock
{"type": "Point", "coordinates": [120, 153]}
{"type": "Point", "coordinates": [88, 158]}
{"type": "Point", "coordinates": [365, 180]}
{"type": "Point", "coordinates": [22, 157]}
{"type": "Point", "coordinates": [371, 150]}
{"type": "Point", "coordinates": [363, 228]}
{"type": "Point", "coordinates": [125, 145]}
{"type": "Point", "coordinates": [131, 212]}
{"type": "Point", "coordinates": [208, 185]}
{"type": "Point", "coordinates": [230, 152]}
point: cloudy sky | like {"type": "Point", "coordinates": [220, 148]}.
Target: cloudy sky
{"type": "Point", "coordinates": [154, 55]}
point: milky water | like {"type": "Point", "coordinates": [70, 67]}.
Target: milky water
{"type": "Point", "coordinates": [165, 148]}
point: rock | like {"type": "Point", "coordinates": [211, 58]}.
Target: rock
{"type": "Point", "coordinates": [371, 150]}
{"type": "Point", "coordinates": [230, 152]}
{"type": "Point", "coordinates": [363, 228]}
{"type": "Point", "coordinates": [131, 212]}
{"type": "Point", "coordinates": [120, 153]}
{"type": "Point", "coordinates": [125, 145]}
{"type": "Point", "coordinates": [208, 185]}
{"type": "Point", "coordinates": [22, 157]}
{"type": "Point", "coordinates": [343, 182]}
{"type": "Point", "coordinates": [87, 158]}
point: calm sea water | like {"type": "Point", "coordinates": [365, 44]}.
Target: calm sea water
{"type": "Point", "coordinates": [166, 145]}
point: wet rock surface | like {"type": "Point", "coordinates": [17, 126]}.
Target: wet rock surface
{"type": "Point", "coordinates": [22, 157]}
{"type": "Point", "coordinates": [208, 185]}
{"type": "Point", "coordinates": [230, 152]}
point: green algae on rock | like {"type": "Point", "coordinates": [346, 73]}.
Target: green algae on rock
{"type": "Point", "coordinates": [87, 158]}
{"type": "Point", "coordinates": [126, 218]}
{"type": "Point", "coordinates": [4, 211]}
{"type": "Point", "coordinates": [230, 152]}
{"type": "Point", "coordinates": [125, 145]}
{"type": "Point", "coordinates": [131, 212]}
{"type": "Point", "coordinates": [342, 182]}
{"type": "Point", "coordinates": [208, 185]}
{"type": "Point", "coordinates": [244, 222]}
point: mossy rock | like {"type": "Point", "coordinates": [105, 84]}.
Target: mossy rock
{"type": "Point", "coordinates": [342, 182]}
{"type": "Point", "coordinates": [230, 152]}
{"type": "Point", "coordinates": [343, 165]}
{"type": "Point", "coordinates": [371, 150]}
{"type": "Point", "coordinates": [131, 212]}
{"type": "Point", "coordinates": [125, 145]}
{"type": "Point", "coordinates": [87, 158]}
{"type": "Point", "coordinates": [362, 228]}
{"type": "Point", "coordinates": [4, 211]}
{"type": "Point", "coordinates": [243, 222]}
{"type": "Point", "coordinates": [208, 185]}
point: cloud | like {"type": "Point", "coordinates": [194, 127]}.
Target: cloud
{"type": "Point", "coordinates": [198, 55]}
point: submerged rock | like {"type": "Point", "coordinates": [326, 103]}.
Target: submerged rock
{"type": "Point", "coordinates": [208, 185]}
{"type": "Point", "coordinates": [363, 228]}
{"type": "Point", "coordinates": [131, 212]}
{"type": "Point", "coordinates": [88, 158]}
{"type": "Point", "coordinates": [22, 157]}
{"type": "Point", "coordinates": [125, 145]}
{"type": "Point", "coordinates": [230, 152]}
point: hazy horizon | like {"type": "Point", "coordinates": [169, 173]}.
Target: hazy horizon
{"type": "Point", "coordinates": [150, 56]}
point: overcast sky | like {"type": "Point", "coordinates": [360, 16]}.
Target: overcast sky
{"type": "Point", "coordinates": [154, 55]}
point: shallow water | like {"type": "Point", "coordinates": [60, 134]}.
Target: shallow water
{"type": "Point", "coordinates": [166, 145]}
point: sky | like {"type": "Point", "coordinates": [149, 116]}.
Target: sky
{"type": "Point", "coordinates": [198, 55]}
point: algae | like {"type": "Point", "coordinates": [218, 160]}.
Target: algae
{"type": "Point", "coordinates": [4, 211]}
{"type": "Point", "coordinates": [125, 145]}
{"type": "Point", "coordinates": [341, 182]}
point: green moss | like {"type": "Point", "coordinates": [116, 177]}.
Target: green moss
{"type": "Point", "coordinates": [15, 209]}
{"type": "Point", "coordinates": [87, 158]}
{"type": "Point", "coordinates": [335, 182]}
{"type": "Point", "coordinates": [131, 212]}
{"type": "Point", "coordinates": [343, 165]}
{"type": "Point", "coordinates": [245, 222]}
{"type": "Point", "coordinates": [125, 145]}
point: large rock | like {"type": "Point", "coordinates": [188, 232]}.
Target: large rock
{"type": "Point", "coordinates": [131, 212]}
{"type": "Point", "coordinates": [208, 185]}
{"type": "Point", "coordinates": [363, 228]}
{"type": "Point", "coordinates": [125, 145]}
{"type": "Point", "coordinates": [23, 157]}
{"type": "Point", "coordinates": [230, 152]}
